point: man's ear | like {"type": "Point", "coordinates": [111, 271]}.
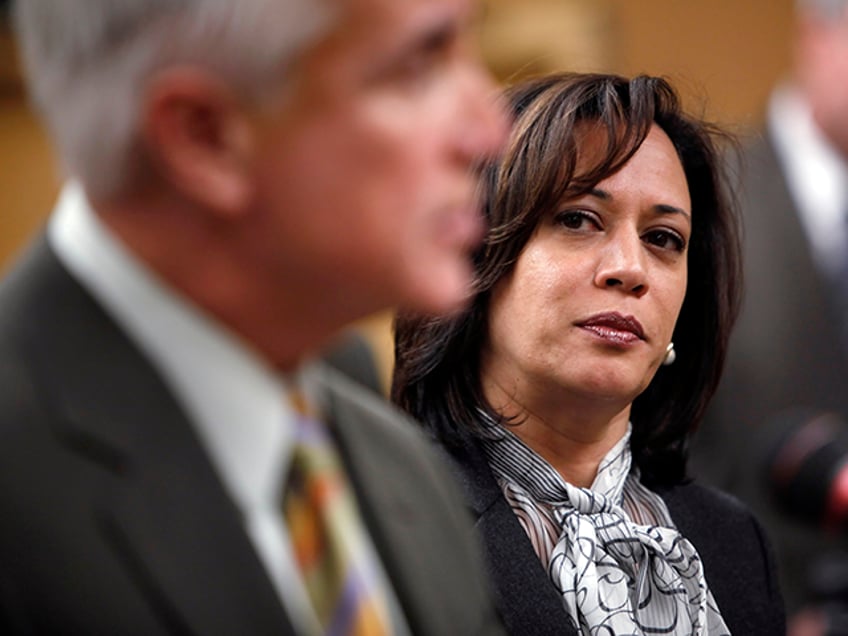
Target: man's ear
{"type": "Point", "coordinates": [200, 137]}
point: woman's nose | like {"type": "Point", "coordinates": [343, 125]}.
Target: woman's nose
{"type": "Point", "coordinates": [622, 264]}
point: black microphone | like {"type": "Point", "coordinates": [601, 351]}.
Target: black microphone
{"type": "Point", "coordinates": [807, 469]}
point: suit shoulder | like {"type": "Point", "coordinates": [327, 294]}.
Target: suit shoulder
{"type": "Point", "coordinates": [378, 413]}
{"type": "Point", "coordinates": [708, 498]}
{"type": "Point", "coordinates": [373, 420]}
{"type": "Point", "coordinates": [736, 553]}
{"type": "Point", "coordinates": [695, 506]}
{"type": "Point", "coordinates": [408, 493]}
{"type": "Point", "coordinates": [706, 515]}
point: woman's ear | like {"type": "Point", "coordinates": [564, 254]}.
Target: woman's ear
{"type": "Point", "coordinates": [199, 136]}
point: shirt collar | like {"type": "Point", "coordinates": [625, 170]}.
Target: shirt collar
{"type": "Point", "coordinates": [514, 461]}
{"type": "Point", "coordinates": [231, 395]}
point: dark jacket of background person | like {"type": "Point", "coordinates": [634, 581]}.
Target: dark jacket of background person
{"type": "Point", "coordinates": [786, 366]}
{"type": "Point", "coordinates": [764, 438]}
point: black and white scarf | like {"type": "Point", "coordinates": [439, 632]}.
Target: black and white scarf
{"type": "Point", "coordinates": [611, 550]}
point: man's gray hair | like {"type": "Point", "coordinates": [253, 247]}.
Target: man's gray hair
{"type": "Point", "coordinates": [88, 61]}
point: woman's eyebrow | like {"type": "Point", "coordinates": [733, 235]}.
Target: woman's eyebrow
{"type": "Point", "coordinates": [661, 208]}
{"type": "Point", "coordinates": [664, 208]}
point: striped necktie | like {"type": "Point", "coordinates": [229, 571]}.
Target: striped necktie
{"type": "Point", "coordinates": [329, 538]}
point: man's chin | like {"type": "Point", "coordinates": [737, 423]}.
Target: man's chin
{"type": "Point", "coordinates": [445, 292]}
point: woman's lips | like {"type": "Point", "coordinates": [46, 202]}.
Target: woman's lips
{"type": "Point", "coordinates": [614, 327]}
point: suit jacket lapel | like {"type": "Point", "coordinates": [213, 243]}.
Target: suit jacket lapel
{"type": "Point", "coordinates": [526, 598]}
{"type": "Point", "coordinates": [388, 512]}
{"type": "Point", "coordinates": [432, 566]}
{"type": "Point", "coordinates": [161, 507]}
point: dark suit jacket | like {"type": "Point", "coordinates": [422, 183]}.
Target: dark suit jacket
{"type": "Point", "coordinates": [785, 353]}
{"type": "Point", "coordinates": [113, 521]}
{"type": "Point", "coordinates": [353, 356]}
{"type": "Point", "coordinates": [736, 556]}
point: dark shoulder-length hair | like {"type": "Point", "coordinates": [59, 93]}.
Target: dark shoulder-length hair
{"type": "Point", "coordinates": [437, 360]}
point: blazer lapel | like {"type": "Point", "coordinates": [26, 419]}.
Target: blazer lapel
{"type": "Point", "coordinates": [432, 566]}
{"type": "Point", "coordinates": [180, 534]}
{"type": "Point", "coordinates": [526, 598]}
{"type": "Point", "coordinates": [388, 512]}
{"type": "Point", "coordinates": [161, 506]}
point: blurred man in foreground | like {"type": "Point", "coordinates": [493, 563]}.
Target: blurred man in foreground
{"type": "Point", "coordinates": [245, 178]}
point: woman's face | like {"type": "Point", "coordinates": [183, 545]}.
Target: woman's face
{"type": "Point", "coordinates": [592, 301]}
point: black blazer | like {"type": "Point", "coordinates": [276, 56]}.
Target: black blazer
{"type": "Point", "coordinates": [113, 520]}
{"type": "Point", "coordinates": [736, 556]}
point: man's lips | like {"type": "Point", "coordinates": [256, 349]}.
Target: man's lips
{"type": "Point", "coordinates": [614, 326]}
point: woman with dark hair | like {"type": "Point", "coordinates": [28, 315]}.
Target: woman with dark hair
{"type": "Point", "coordinates": [565, 394]}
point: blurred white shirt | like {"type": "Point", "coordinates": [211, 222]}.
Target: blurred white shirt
{"type": "Point", "coordinates": [817, 176]}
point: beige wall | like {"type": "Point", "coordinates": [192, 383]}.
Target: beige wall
{"type": "Point", "coordinates": [27, 181]}
{"type": "Point", "coordinates": [722, 54]}
{"type": "Point", "coordinates": [727, 51]}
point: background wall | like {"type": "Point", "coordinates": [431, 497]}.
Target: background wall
{"type": "Point", "coordinates": [725, 52]}
{"type": "Point", "coordinates": [723, 55]}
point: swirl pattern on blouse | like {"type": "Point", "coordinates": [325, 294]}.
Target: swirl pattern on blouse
{"type": "Point", "coordinates": [611, 550]}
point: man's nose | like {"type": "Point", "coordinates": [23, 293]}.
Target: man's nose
{"type": "Point", "coordinates": [485, 125]}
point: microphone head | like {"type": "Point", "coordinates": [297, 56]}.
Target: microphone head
{"type": "Point", "coordinates": [807, 468]}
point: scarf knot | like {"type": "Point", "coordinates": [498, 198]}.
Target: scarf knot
{"type": "Point", "coordinates": [616, 577]}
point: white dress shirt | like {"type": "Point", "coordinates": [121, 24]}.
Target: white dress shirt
{"type": "Point", "coordinates": [817, 176]}
{"type": "Point", "coordinates": [234, 399]}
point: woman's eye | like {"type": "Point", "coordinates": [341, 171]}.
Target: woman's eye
{"type": "Point", "coordinates": [666, 240]}
{"type": "Point", "coordinates": [575, 220]}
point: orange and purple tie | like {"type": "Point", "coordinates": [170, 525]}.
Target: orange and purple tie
{"type": "Point", "coordinates": [329, 538]}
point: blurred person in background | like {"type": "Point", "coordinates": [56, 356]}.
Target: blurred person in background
{"type": "Point", "coordinates": [245, 178]}
{"type": "Point", "coordinates": [605, 292]}
{"type": "Point", "coordinates": [788, 358]}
